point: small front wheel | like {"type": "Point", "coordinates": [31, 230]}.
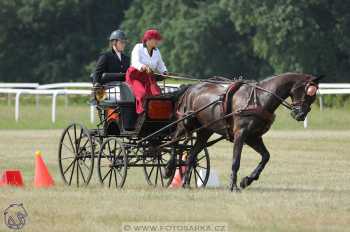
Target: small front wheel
{"type": "Point", "coordinates": [112, 163]}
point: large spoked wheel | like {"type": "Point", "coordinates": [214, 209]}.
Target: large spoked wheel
{"type": "Point", "coordinates": [154, 167]}
{"type": "Point", "coordinates": [112, 163]}
{"type": "Point", "coordinates": [199, 174]}
{"type": "Point", "coordinates": [76, 155]}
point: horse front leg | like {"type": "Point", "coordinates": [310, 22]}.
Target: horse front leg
{"type": "Point", "coordinates": [239, 138]}
{"type": "Point", "coordinates": [258, 145]}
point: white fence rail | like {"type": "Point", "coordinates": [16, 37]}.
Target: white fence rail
{"type": "Point", "coordinates": [18, 89]}
{"type": "Point", "coordinates": [53, 90]}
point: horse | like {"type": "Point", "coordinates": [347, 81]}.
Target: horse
{"type": "Point", "coordinates": [243, 113]}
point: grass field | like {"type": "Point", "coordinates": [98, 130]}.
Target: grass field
{"type": "Point", "coordinates": [305, 187]}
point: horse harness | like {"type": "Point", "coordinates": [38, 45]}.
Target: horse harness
{"type": "Point", "coordinates": [249, 109]}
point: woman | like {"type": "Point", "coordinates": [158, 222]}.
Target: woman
{"type": "Point", "coordinates": [145, 59]}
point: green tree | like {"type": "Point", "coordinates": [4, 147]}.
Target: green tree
{"type": "Point", "coordinates": [199, 37]}
{"type": "Point", "coordinates": [53, 40]}
{"type": "Point", "coordinates": [305, 35]}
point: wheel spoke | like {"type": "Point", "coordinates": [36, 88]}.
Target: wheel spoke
{"type": "Point", "coordinates": [202, 167]}
{"type": "Point", "coordinates": [68, 148]}
{"type": "Point", "coordinates": [150, 173]}
{"type": "Point", "coordinates": [161, 175]}
{"type": "Point", "coordinates": [86, 143]}
{"type": "Point", "coordinates": [115, 178]}
{"type": "Point", "coordinates": [69, 166]}
{"type": "Point", "coordinates": [71, 175]}
{"type": "Point", "coordinates": [71, 142]}
{"type": "Point", "coordinates": [77, 173]}
{"type": "Point", "coordinates": [115, 146]}
{"type": "Point", "coordinates": [109, 148]}
{"type": "Point", "coordinates": [110, 178]}
{"type": "Point", "coordinates": [81, 133]}
{"type": "Point", "coordinates": [199, 175]}
{"type": "Point", "coordinates": [103, 179]}
{"type": "Point", "coordinates": [200, 158]}
{"type": "Point", "coordinates": [156, 181]}
{"type": "Point", "coordinates": [82, 174]}
{"type": "Point", "coordinates": [75, 138]}
{"type": "Point", "coordinates": [195, 177]}
{"type": "Point", "coordinates": [71, 157]}
{"type": "Point", "coordinates": [189, 177]}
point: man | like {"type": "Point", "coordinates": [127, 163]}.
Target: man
{"type": "Point", "coordinates": [113, 61]}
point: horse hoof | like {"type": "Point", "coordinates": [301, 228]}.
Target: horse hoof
{"type": "Point", "coordinates": [235, 189]}
{"type": "Point", "coordinates": [186, 186]}
{"type": "Point", "coordinates": [168, 171]}
{"type": "Point", "coordinates": [245, 182]}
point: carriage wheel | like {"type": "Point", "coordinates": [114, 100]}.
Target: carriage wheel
{"type": "Point", "coordinates": [154, 168]}
{"type": "Point", "coordinates": [112, 163]}
{"type": "Point", "coordinates": [199, 174]}
{"type": "Point", "coordinates": [76, 155]}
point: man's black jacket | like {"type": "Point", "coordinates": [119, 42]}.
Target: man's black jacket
{"type": "Point", "coordinates": [109, 62]}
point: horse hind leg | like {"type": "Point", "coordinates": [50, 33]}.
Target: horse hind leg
{"type": "Point", "coordinates": [259, 146]}
{"type": "Point", "coordinates": [171, 165]}
{"type": "Point", "coordinates": [200, 144]}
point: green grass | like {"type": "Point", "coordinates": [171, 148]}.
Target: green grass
{"type": "Point", "coordinates": [305, 187]}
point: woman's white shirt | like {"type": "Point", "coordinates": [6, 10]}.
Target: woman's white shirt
{"type": "Point", "coordinates": [140, 57]}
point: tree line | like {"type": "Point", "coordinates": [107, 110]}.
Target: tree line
{"type": "Point", "coordinates": [59, 40]}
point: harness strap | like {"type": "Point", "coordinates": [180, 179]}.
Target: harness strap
{"type": "Point", "coordinates": [283, 102]}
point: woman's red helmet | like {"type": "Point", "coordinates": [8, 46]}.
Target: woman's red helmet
{"type": "Point", "coordinates": [151, 34]}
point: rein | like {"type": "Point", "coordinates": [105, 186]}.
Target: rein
{"type": "Point", "coordinates": [223, 80]}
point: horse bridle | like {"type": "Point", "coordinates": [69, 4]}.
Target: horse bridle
{"type": "Point", "coordinates": [300, 102]}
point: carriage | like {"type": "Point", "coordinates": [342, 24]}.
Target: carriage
{"type": "Point", "coordinates": [123, 140]}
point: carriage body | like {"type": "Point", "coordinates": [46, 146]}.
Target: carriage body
{"type": "Point", "coordinates": [124, 139]}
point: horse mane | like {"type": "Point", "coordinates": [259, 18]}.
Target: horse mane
{"type": "Point", "coordinates": [278, 75]}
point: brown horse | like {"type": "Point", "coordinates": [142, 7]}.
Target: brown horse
{"type": "Point", "coordinates": [243, 115]}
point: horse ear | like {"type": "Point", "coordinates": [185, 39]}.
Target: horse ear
{"type": "Point", "coordinates": [318, 78]}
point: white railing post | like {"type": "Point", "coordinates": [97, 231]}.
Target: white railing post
{"type": "Point", "coordinates": [53, 109]}
{"type": "Point", "coordinates": [18, 94]}
{"type": "Point", "coordinates": [321, 103]}
{"type": "Point", "coordinates": [37, 101]}
{"type": "Point", "coordinates": [9, 99]}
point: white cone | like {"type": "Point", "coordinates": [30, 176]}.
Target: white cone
{"type": "Point", "coordinates": [213, 180]}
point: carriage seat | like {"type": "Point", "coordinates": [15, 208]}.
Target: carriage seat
{"type": "Point", "coordinates": [118, 80]}
{"type": "Point", "coordinates": [126, 94]}
{"type": "Point", "coordinates": [125, 100]}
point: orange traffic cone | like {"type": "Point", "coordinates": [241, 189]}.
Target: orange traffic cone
{"type": "Point", "coordinates": [177, 180]}
{"type": "Point", "coordinates": [12, 177]}
{"type": "Point", "coordinates": [42, 176]}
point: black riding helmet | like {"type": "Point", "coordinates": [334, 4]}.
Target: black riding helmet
{"type": "Point", "coordinates": [117, 35]}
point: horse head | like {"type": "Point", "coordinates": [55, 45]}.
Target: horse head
{"type": "Point", "coordinates": [303, 94]}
